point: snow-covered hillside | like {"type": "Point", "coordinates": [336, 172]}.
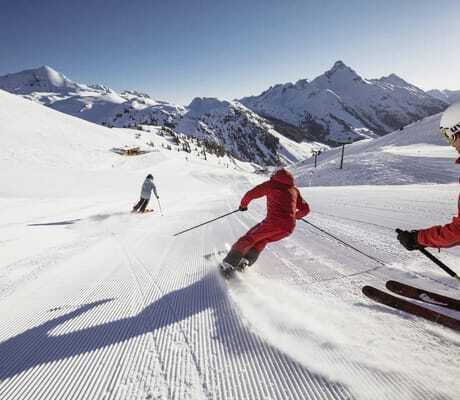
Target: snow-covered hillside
{"type": "Point", "coordinates": [47, 86]}
{"type": "Point", "coordinates": [99, 303]}
{"type": "Point", "coordinates": [39, 142]}
{"type": "Point", "coordinates": [416, 154]}
{"type": "Point", "coordinates": [36, 135]}
{"type": "Point", "coordinates": [341, 106]}
{"type": "Point", "coordinates": [245, 135]}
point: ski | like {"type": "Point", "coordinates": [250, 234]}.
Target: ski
{"type": "Point", "coordinates": [146, 211]}
{"type": "Point", "coordinates": [423, 295]}
{"type": "Point", "coordinates": [410, 308]}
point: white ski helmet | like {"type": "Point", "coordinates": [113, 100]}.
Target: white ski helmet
{"type": "Point", "coordinates": [450, 123]}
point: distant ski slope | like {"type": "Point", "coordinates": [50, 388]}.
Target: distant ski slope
{"type": "Point", "coordinates": [416, 154]}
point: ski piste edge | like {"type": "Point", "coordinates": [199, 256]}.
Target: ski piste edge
{"type": "Point", "coordinates": [411, 308]}
{"type": "Point", "coordinates": [426, 296]}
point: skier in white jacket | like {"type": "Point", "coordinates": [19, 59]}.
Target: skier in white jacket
{"type": "Point", "coordinates": [146, 192]}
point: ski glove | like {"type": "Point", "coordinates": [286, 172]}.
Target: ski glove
{"type": "Point", "coordinates": [243, 208]}
{"type": "Point", "coordinates": [409, 239]}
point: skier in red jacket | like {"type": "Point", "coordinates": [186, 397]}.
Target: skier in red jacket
{"type": "Point", "coordinates": [447, 235]}
{"type": "Point", "coordinates": [284, 206]}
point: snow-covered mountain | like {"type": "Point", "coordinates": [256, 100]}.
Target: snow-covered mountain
{"type": "Point", "coordinates": [245, 135]}
{"type": "Point", "coordinates": [49, 87]}
{"type": "Point", "coordinates": [282, 125]}
{"type": "Point", "coordinates": [41, 80]}
{"type": "Point", "coordinates": [340, 105]}
{"type": "Point", "coordinates": [448, 96]}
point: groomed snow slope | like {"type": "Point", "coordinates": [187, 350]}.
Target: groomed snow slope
{"type": "Point", "coordinates": [98, 303]}
{"type": "Point", "coordinates": [416, 154]}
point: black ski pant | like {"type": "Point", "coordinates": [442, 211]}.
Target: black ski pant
{"type": "Point", "coordinates": [141, 205]}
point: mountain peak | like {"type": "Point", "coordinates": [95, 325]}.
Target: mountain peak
{"type": "Point", "coordinates": [339, 64]}
{"type": "Point", "coordinates": [204, 105]}
{"type": "Point", "coordinates": [339, 77]}
{"type": "Point", "coordinates": [395, 80]}
{"type": "Point", "coordinates": [49, 74]}
{"type": "Point", "coordinates": [41, 79]}
{"type": "Point", "coordinates": [46, 69]}
{"type": "Point", "coordinates": [341, 68]}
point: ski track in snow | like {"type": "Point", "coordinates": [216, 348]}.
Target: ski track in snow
{"type": "Point", "coordinates": [160, 325]}
{"type": "Point", "coordinates": [98, 303]}
{"type": "Point", "coordinates": [157, 321]}
{"type": "Point", "coordinates": [345, 286]}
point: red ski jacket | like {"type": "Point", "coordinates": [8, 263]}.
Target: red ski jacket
{"type": "Point", "coordinates": [442, 236]}
{"type": "Point", "coordinates": [284, 201]}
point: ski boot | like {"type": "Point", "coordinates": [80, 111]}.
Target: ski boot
{"type": "Point", "coordinates": [226, 269]}
{"type": "Point", "coordinates": [242, 265]}
{"type": "Point", "coordinates": [249, 259]}
{"type": "Point", "coordinates": [230, 263]}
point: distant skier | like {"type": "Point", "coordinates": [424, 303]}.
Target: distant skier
{"type": "Point", "coordinates": [284, 206]}
{"type": "Point", "coordinates": [146, 193]}
{"type": "Point", "coordinates": [448, 235]}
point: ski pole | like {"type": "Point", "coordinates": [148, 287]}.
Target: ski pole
{"type": "Point", "coordinates": [436, 260]}
{"type": "Point", "coordinates": [344, 243]}
{"type": "Point", "coordinates": [440, 263]}
{"type": "Point", "coordinates": [159, 206]}
{"type": "Point", "coordinates": [204, 223]}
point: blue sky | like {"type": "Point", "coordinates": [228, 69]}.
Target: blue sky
{"type": "Point", "coordinates": [176, 50]}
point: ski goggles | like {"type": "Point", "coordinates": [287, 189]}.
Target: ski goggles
{"type": "Point", "coordinates": [451, 138]}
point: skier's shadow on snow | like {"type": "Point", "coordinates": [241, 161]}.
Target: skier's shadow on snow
{"type": "Point", "coordinates": [58, 223]}
{"type": "Point", "coordinates": [92, 218]}
{"type": "Point", "coordinates": [40, 345]}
